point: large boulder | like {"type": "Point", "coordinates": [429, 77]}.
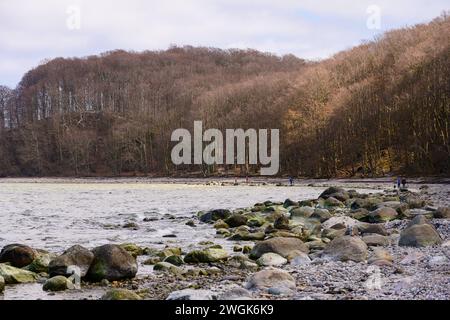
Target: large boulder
{"type": "Point", "coordinates": [419, 235]}
{"type": "Point", "coordinates": [120, 294]}
{"type": "Point", "coordinates": [77, 256]}
{"type": "Point", "coordinates": [281, 246]}
{"type": "Point", "coordinates": [113, 263]}
{"type": "Point", "coordinates": [206, 256]}
{"type": "Point", "coordinates": [347, 248]}
{"type": "Point", "coordinates": [58, 283]}
{"type": "Point", "coordinates": [18, 255]}
{"type": "Point", "coordinates": [383, 214]}
{"type": "Point", "coordinates": [270, 278]}
{"type": "Point", "coordinates": [13, 275]}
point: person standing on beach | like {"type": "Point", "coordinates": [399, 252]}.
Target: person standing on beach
{"type": "Point", "coordinates": [399, 182]}
{"type": "Point", "coordinates": [291, 181]}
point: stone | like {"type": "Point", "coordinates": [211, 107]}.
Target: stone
{"type": "Point", "coordinates": [333, 233]}
{"type": "Point", "coordinates": [415, 203]}
{"type": "Point", "coordinates": [270, 278]}
{"type": "Point", "coordinates": [332, 203]}
{"type": "Point", "coordinates": [289, 203]}
{"type": "Point", "coordinates": [58, 283]}
{"type": "Point", "coordinates": [191, 294]}
{"type": "Point", "coordinates": [167, 252]}
{"type": "Point", "coordinates": [442, 213]}
{"type": "Point", "coordinates": [347, 248]}
{"type": "Point", "coordinates": [214, 215]}
{"type": "Point", "coordinates": [256, 221]}
{"type": "Point", "coordinates": [18, 255]}
{"type": "Point", "coordinates": [347, 222]}
{"type": "Point", "coordinates": [321, 214]}
{"type": "Point", "coordinates": [299, 259]}
{"type": "Point", "coordinates": [412, 257]}
{"type": "Point", "coordinates": [271, 260]}
{"type": "Point", "coordinates": [74, 256]}
{"type": "Point", "coordinates": [220, 224]}
{"type": "Point", "coordinates": [133, 249]}
{"type": "Point", "coordinates": [419, 235]}
{"type": "Point", "coordinates": [384, 214]}
{"type": "Point", "coordinates": [131, 226]}
{"type": "Point", "coordinates": [13, 275]}
{"type": "Point", "coordinates": [175, 260]}
{"type": "Point", "coordinates": [113, 263]}
{"type": "Point", "coordinates": [368, 228]}
{"type": "Point", "coordinates": [167, 267]}
{"type": "Point", "coordinates": [41, 263]}
{"type": "Point", "coordinates": [152, 261]}
{"type": "Point", "coordinates": [2, 284]}
{"type": "Point", "coordinates": [374, 240]}
{"type": "Point", "coordinates": [236, 220]}
{"type": "Point", "coordinates": [381, 257]}
{"type": "Point", "coordinates": [237, 293]}
{"type": "Point", "coordinates": [360, 214]}
{"type": "Point", "coordinates": [333, 190]}
{"type": "Point", "coordinates": [247, 236]}
{"type": "Point", "coordinates": [304, 212]}
{"type": "Point", "coordinates": [282, 223]}
{"type": "Point", "coordinates": [420, 219]}
{"type": "Point", "coordinates": [206, 256]}
{"type": "Point", "coordinates": [281, 246]}
{"type": "Point", "coordinates": [120, 294]}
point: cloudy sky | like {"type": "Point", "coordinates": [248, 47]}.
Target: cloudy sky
{"type": "Point", "coordinates": [34, 30]}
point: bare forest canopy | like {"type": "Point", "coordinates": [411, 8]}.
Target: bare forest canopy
{"type": "Point", "coordinates": [379, 108]}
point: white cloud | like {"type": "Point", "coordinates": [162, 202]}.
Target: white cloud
{"type": "Point", "coordinates": [31, 31]}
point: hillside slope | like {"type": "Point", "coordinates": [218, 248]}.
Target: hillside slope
{"type": "Point", "coordinates": [378, 108]}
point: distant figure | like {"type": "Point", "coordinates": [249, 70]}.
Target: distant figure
{"type": "Point", "coordinates": [404, 183]}
{"type": "Point", "coordinates": [291, 181]}
{"type": "Point", "coordinates": [399, 182]}
{"type": "Point", "coordinates": [246, 179]}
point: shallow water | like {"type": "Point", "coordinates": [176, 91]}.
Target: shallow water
{"type": "Point", "coordinates": [55, 216]}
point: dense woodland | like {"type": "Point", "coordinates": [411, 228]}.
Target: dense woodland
{"type": "Point", "coordinates": [379, 108]}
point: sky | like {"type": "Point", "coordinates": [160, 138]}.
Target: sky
{"type": "Point", "coordinates": [32, 31]}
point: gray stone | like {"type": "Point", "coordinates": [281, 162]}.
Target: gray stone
{"type": "Point", "coordinates": [190, 294]}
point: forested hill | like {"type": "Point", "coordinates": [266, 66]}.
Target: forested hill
{"type": "Point", "coordinates": [378, 108]}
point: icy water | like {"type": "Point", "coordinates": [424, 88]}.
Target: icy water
{"type": "Point", "coordinates": [55, 216]}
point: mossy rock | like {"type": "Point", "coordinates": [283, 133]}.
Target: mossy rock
{"type": "Point", "coordinates": [120, 294]}
{"type": "Point", "coordinates": [167, 267]}
{"type": "Point", "coordinates": [133, 249]}
{"type": "Point", "coordinates": [40, 263]}
{"type": "Point", "coordinates": [58, 283]}
{"type": "Point", "coordinates": [206, 256]}
{"type": "Point", "coordinates": [14, 275]}
{"type": "Point", "coordinates": [220, 224]}
{"type": "Point", "coordinates": [167, 252]}
{"type": "Point", "coordinates": [175, 260]}
{"type": "Point", "coordinates": [247, 236]}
